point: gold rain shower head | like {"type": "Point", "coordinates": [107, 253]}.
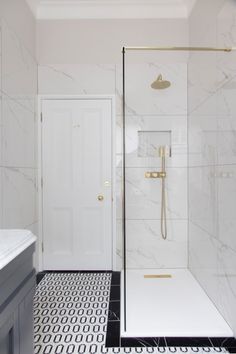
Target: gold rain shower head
{"type": "Point", "coordinates": [160, 84]}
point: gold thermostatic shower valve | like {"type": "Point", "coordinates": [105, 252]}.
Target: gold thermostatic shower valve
{"type": "Point", "coordinates": [155, 175]}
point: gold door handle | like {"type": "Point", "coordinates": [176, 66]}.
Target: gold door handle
{"type": "Point", "coordinates": [100, 198]}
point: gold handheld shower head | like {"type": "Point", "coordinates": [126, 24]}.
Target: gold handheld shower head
{"type": "Point", "coordinates": [160, 84]}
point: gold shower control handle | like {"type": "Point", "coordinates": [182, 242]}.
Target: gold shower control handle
{"type": "Point", "coordinates": [100, 198]}
{"type": "Point", "coordinates": [155, 174]}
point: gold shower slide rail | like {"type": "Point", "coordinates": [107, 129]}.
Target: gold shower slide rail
{"type": "Point", "coordinates": [194, 49]}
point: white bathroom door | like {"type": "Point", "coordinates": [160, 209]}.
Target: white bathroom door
{"type": "Point", "coordinates": [77, 184]}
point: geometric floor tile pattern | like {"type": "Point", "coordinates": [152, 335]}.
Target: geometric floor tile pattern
{"type": "Point", "coordinates": [71, 314]}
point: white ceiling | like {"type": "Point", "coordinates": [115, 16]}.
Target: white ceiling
{"type": "Point", "coordinates": [105, 9]}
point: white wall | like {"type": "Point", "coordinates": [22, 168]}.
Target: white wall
{"type": "Point", "coordinates": [18, 90]}
{"type": "Point", "coordinates": [84, 57]}
{"type": "Point", "coordinates": [212, 154]}
{"type": "Point", "coordinates": [20, 19]}
{"type": "Point", "coordinates": [101, 41]}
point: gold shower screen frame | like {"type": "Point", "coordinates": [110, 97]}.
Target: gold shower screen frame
{"type": "Point", "coordinates": [191, 49]}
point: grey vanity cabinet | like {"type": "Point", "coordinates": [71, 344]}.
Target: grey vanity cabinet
{"type": "Point", "coordinates": [17, 287]}
{"type": "Point", "coordinates": [9, 336]}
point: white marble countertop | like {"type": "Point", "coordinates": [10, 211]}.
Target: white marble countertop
{"type": "Point", "coordinates": [12, 243]}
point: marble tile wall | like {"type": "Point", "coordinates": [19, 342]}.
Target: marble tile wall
{"type": "Point", "coordinates": [147, 110]}
{"type": "Point", "coordinates": [152, 111]}
{"type": "Point", "coordinates": [18, 162]}
{"type": "Point", "coordinates": [212, 157]}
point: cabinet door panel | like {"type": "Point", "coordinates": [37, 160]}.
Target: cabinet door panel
{"type": "Point", "coordinates": [26, 323]}
{"type": "Point", "coordinates": [5, 344]}
{"type": "Point", "coordinates": [9, 339]}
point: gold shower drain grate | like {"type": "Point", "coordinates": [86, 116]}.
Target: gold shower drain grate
{"type": "Point", "coordinates": [153, 276]}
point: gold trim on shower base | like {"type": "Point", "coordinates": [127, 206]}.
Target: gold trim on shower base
{"type": "Point", "coordinates": [154, 276]}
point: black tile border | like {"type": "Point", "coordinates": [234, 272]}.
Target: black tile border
{"type": "Point", "coordinates": [40, 276]}
{"type": "Point", "coordinates": [113, 330]}
{"type": "Point", "coordinates": [113, 334]}
{"type": "Point", "coordinates": [143, 342]}
{"type": "Point", "coordinates": [224, 342]}
{"type": "Point", "coordinates": [188, 342]}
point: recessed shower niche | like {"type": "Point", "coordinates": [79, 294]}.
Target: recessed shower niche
{"type": "Point", "coordinates": [149, 143]}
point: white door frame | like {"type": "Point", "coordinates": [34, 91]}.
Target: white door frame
{"type": "Point", "coordinates": [41, 98]}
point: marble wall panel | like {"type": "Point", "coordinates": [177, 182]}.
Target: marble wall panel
{"type": "Point", "coordinates": [202, 74]}
{"type": "Point", "coordinates": [227, 284]}
{"type": "Point", "coordinates": [202, 141]}
{"type": "Point", "coordinates": [76, 79]}
{"type": "Point", "coordinates": [18, 134]}
{"type": "Point", "coordinates": [19, 67]}
{"type": "Point", "coordinates": [212, 170]}
{"type": "Point", "coordinates": [203, 259]}
{"type": "Point", "coordinates": [18, 183]}
{"type": "Point", "coordinates": [141, 99]}
{"type": "Point", "coordinates": [143, 195]}
{"type": "Point", "coordinates": [18, 195]}
{"type": "Point", "coordinates": [147, 249]}
{"type": "Point", "coordinates": [203, 198]}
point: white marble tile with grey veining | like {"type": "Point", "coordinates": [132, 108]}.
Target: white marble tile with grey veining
{"type": "Point", "coordinates": [203, 259]}
{"type": "Point", "coordinates": [226, 141]}
{"type": "Point", "coordinates": [141, 99]}
{"type": "Point", "coordinates": [201, 86]}
{"type": "Point", "coordinates": [76, 79]}
{"type": "Point", "coordinates": [18, 197]}
{"type": "Point", "coordinates": [19, 67]}
{"type": "Point", "coordinates": [202, 196]}
{"type": "Point", "coordinates": [146, 248]}
{"type": "Point", "coordinates": [144, 195]}
{"type": "Point", "coordinates": [226, 38]}
{"type": "Point", "coordinates": [18, 134]}
{"type": "Point", "coordinates": [202, 140]}
{"type": "Point", "coordinates": [212, 140]}
{"type": "Point", "coordinates": [226, 279]}
{"type": "Point", "coordinates": [226, 99]}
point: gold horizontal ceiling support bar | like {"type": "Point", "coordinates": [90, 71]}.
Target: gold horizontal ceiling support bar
{"type": "Point", "coordinates": [202, 49]}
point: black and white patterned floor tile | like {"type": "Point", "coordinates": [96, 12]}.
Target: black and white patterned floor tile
{"type": "Point", "coordinates": [71, 313]}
